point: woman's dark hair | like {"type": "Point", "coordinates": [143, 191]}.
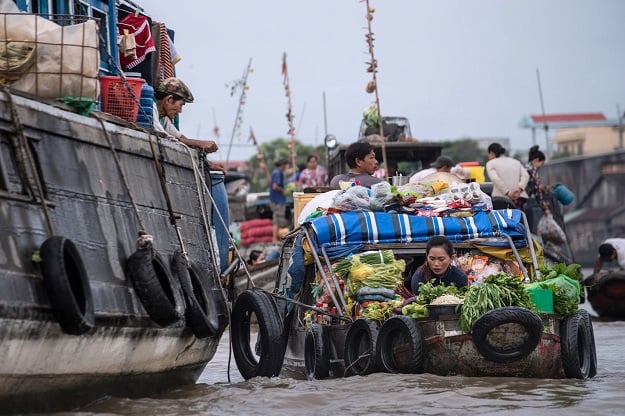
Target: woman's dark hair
{"type": "Point", "coordinates": [357, 150]}
{"type": "Point", "coordinates": [497, 149]}
{"type": "Point", "coordinates": [312, 157]}
{"type": "Point", "coordinates": [535, 154]}
{"type": "Point", "coordinates": [254, 255]}
{"type": "Point", "coordinates": [435, 241]}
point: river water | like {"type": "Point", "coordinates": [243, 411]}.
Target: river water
{"type": "Point", "coordinates": [221, 390]}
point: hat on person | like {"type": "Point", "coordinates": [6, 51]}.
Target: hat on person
{"type": "Point", "coordinates": [176, 87]}
{"type": "Point", "coordinates": [606, 251]}
{"type": "Point", "coordinates": [442, 161]}
{"type": "Point", "coordinates": [281, 162]}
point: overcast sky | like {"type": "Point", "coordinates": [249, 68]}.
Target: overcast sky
{"type": "Point", "coordinates": [455, 68]}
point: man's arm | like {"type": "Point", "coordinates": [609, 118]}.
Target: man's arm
{"type": "Point", "coordinates": [598, 264]}
{"type": "Point", "coordinates": [208, 146]}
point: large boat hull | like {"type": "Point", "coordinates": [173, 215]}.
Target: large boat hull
{"type": "Point", "coordinates": [103, 184]}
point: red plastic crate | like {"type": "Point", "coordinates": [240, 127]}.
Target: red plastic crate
{"type": "Point", "coordinates": [117, 100]}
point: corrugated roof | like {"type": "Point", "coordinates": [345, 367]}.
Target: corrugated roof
{"type": "Point", "coordinates": [571, 117]}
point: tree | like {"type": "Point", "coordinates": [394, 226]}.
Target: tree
{"type": "Point", "coordinates": [273, 151]}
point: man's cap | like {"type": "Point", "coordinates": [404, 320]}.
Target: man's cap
{"type": "Point", "coordinates": [442, 161]}
{"type": "Point", "coordinates": [176, 87]}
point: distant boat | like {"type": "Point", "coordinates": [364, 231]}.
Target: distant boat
{"type": "Point", "coordinates": [606, 294]}
{"type": "Point", "coordinates": [108, 277]}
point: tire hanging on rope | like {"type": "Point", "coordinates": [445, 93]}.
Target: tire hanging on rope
{"type": "Point", "coordinates": [316, 352]}
{"type": "Point", "coordinates": [576, 347]}
{"type": "Point", "coordinates": [361, 356]}
{"type": "Point", "coordinates": [265, 359]}
{"type": "Point", "coordinates": [530, 321]}
{"type": "Point", "coordinates": [67, 285]}
{"type": "Point", "coordinates": [401, 345]}
{"type": "Point", "coordinates": [159, 293]}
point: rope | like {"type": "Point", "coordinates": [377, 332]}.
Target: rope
{"type": "Point", "coordinates": [25, 149]}
{"type": "Point", "coordinates": [144, 238]}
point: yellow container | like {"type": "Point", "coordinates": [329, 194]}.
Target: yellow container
{"type": "Point", "coordinates": [476, 172]}
{"type": "Point", "coordinates": [300, 199]}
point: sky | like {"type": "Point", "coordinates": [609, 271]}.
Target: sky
{"type": "Point", "coordinates": [455, 68]}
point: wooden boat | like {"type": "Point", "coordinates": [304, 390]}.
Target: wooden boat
{"type": "Point", "coordinates": [108, 277]}
{"type": "Point", "coordinates": [508, 341]}
{"type": "Point", "coordinates": [606, 293]}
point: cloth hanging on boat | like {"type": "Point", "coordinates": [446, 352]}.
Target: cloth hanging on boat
{"type": "Point", "coordinates": [139, 26]}
{"type": "Point", "coordinates": [165, 63]}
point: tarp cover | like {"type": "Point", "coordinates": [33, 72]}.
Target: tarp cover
{"type": "Point", "coordinates": [366, 227]}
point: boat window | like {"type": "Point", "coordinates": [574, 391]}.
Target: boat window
{"type": "Point", "coordinates": [9, 179]}
{"type": "Point", "coordinates": [3, 152]}
{"type": "Point", "coordinates": [97, 10]}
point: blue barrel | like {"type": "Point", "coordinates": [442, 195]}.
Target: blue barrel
{"type": "Point", "coordinates": [220, 196]}
{"type": "Point", "coordinates": [564, 195]}
{"type": "Point", "coordinates": [144, 116]}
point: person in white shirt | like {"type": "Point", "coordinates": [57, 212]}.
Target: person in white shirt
{"type": "Point", "coordinates": [612, 249]}
{"type": "Point", "coordinates": [442, 164]}
{"type": "Point", "coordinates": [508, 175]}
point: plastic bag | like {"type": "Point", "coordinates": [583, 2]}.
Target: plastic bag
{"type": "Point", "coordinates": [355, 198]}
{"type": "Point", "coordinates": [549, 230]}
{"type": "Point", "coordinates": [380, 195]}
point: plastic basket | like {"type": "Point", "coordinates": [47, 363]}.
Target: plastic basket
{"type": "Point", "coordinates": [116, 98]}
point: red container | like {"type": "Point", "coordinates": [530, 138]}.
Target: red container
{"type": "Point", "coordinates": [116, 97]}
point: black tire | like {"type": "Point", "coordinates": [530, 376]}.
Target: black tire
{"type": "Point", "coordinates": [576, 347]}
{"type": "Point", "coordinates": [530, 321]}
{"type": "Point", "coordinates": [201, 313]}
{"type": "Point", "coordinates": [155, 287]}
{"type": "Point", "coordinates": [265, 360]}
{"type": "Point", "coordinates": [67, 285]}
{"type": "Point", "coordinates": [360, 354]}
{"type": "Point", "coordinates": [502, 202]}
{"type": "Point", "coordinates": [316, 352]}
{"type": "Point", "coordinates": [593, 348]}
{"type": "Point", "coordinates": [401, 345]}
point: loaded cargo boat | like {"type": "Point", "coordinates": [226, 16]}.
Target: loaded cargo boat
{"type": "Point", "coordinates": [317, 323]}
{"type": "Point", "coordinates": [109, 279]}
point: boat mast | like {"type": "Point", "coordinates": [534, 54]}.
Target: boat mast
{"type": "Point", "coordinates": [289, 113]}
{"type": "Point", "coordinates": [242, 83]}
{"type": "Point", "coordinates": [373, 85]}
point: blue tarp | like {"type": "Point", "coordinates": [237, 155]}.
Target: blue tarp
{"type": "Point", "coordinates": [366, 227]}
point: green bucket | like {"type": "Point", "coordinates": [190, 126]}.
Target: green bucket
{"type": "Point", "coordinates": [542, 298]}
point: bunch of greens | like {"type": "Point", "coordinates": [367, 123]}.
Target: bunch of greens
{"type": "Point", "coordinates": [498, 290]}
{"type": "Point", "coordinates": [428, 292]}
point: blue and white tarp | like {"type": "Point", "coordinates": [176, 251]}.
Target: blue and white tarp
{"type": "Point", "coordinates": [367, 227]}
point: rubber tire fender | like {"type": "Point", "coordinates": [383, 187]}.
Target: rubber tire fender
{"type": "Point", "coordinates": [591, 338]}
{"type": "Point", "coordinates": [316, 352]}
{"type": "Point", "coordinates": [401, 345]}
{"type": "Point", "coordinates": [159, 293]}
{"type": "Point", "coordinates": [360, 353]}
{"type": "Point", "coordinates": [576, 347]}
{"type": "Point", "coordinates": [532, 323]}
{"type": "Point", "coordinates": [67, 285]}
{"type": "Point", "coordinates": [267, 362]}
{"type": "Point", "coordinates": [201, 313]}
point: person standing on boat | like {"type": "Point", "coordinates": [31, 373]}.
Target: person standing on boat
{"type": "Point", "coordinates": [170, 96]}
{"type": "Point", "coordinates": [313, 175]}
{"type": "Point", "coordinates": [612, 249]}
{"type": "Point", "coordinates": [508, 175]}
{"type": "Point", "coordinates": [438, 268]}
{"type": "Point", "coordinates": [360, 157]}
{"type": "Point", "coordinates": [536, 159]}
{"type": "Point", "coordinates": [277, 199]}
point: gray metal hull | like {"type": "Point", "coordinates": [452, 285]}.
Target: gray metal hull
{"type": "Point", "coordinates": [126, 352]}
